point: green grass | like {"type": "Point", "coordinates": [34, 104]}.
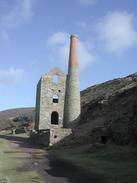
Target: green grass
{"type": "Point", "coordinates": [115, 164]}
{"type": "Point", "coordinates": [15, 166]}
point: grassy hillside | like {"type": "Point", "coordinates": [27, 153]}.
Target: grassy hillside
{"type": "Point", "coordinates": [17, 119]}
{"type": "Point", "coordinates": [16, 112]}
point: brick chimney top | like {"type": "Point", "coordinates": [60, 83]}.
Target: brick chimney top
{"type": "Point", "coordinates": [73, 58]}
{"type": "Point", "coordinates": [73, 36]}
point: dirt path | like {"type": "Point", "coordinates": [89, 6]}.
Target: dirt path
{"type": "Point", "coordinates": [21, 163]}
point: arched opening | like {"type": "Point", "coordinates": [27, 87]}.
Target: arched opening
{"type": "Point", "coordinates": [54, 118]}
{"type": "Point", "coordinates": [55, 99]}
{"type": "Point", "coordinates": [55, 78]}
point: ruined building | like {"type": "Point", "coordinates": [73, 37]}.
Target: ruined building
{"type": "Point", "coordinates": [58, 99]}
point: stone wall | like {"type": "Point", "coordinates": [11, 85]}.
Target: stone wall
{"type": "Point", "coordinates": [50, 136]}
{"type": "Point", "coordinates": [58, 134]}
{"type": "Point", "coordinates": [37, 111]}
{"type": "Point", "coordinates": [46, 89]}
{"type": "Point", "coordinates": [41, 137]}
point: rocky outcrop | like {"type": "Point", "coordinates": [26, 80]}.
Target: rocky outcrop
{"type": "Point", "coordinates": [109, 111]}
{"type": "Point", "coordinates": [107, 89]}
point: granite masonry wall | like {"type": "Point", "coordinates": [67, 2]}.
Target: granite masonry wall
{"type": "Point", "coordinates": [50, 100]}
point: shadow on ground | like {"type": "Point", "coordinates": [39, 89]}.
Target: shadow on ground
{"type": "Point", "coordinates": [54, 170]}
{"type": "Point", "coordinates": [60, 168]}
{"type": "Point", "coordinates": [21, 141]}
{"type": "Point", "coordinates": [13, 138]}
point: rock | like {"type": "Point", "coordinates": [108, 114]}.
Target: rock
{"type": "Point", "coordinates": [111, 106]}
{"type": "Point", "coordinates": [35, 163]}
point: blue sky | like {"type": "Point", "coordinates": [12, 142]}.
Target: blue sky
{"type": "Point", "coordinates": [34, 38]}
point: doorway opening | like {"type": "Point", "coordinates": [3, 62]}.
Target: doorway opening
{"type": "Point", "coordinates": [54, 118]}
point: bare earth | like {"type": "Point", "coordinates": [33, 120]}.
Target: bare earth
{"type": "Point", "coordinates": [21, 163]}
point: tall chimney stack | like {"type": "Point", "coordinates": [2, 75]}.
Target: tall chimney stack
{"type": "Point", "coordinates": [72, 108]}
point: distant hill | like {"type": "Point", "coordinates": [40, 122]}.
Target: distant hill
{"type": "Point", "coordinates": [11, 113]}
{"type": "Point", "coordinates": [19, 118]}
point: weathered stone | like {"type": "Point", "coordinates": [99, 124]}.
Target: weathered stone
{"type": "Point", "coordinates": [111, 106]}
{"type": "Point", "coordinates": [52, 113]}
{"type": "Point", "coordinates": [58, 134]}
{"type": "Point", "coordinates": [72, 109]}
{"type": "Point", "coordinates": [45, 106]}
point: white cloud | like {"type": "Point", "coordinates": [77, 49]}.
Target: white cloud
{"type": "Point", "coordinates": [58, 44]}
{"type": "Point", "coordinates": [117, 31]}
{"type": "Point", "coordinates": [88, 2]}
{"type": "Point", "coordinates": [86, 56]}
{"type": "Point", "coordinates": [12, 15]}
{"type": "Point", "coordinates": [21, 11]}
{"type": "Point", "coordinates": [59, 38]}
{"type": "Point", "coordinates": [11, 75]}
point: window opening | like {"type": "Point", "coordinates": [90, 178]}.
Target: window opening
{"type": "Point", "coordinates": [55, 78]}
{"type": "Point", "coordinates": [55, 99]}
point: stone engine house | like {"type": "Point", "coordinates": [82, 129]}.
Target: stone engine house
{"type": "Point", "coordinates": [58, 100]}
{"type": "Point", "coordinates": [50, 100]}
